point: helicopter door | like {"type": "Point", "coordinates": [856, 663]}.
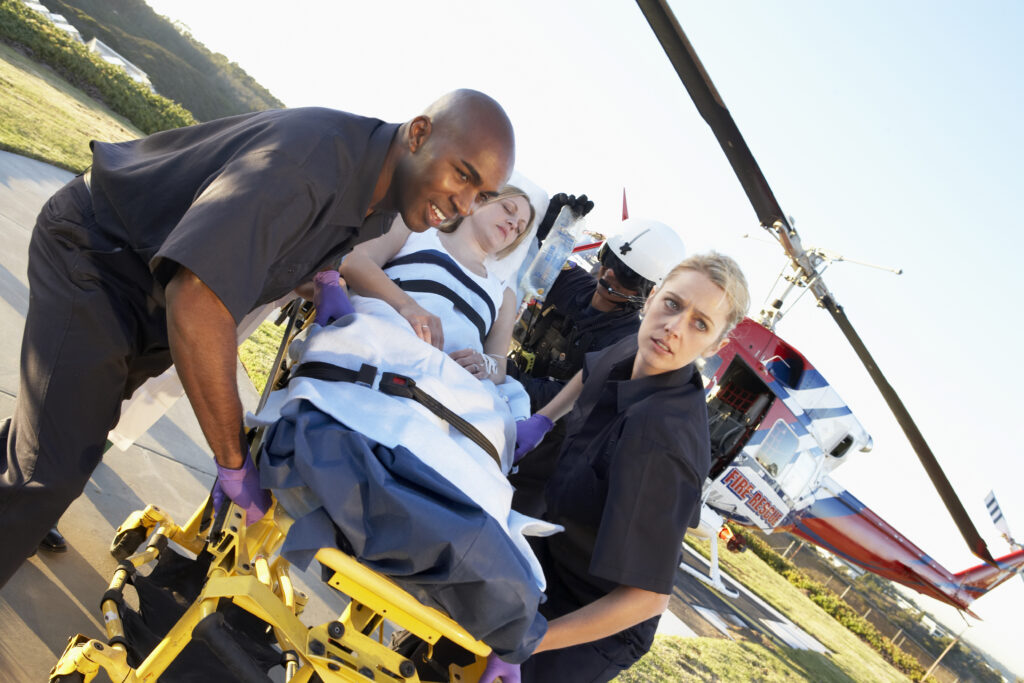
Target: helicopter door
{"type": "Point", "coordinates": [736, 406]}
{"type": "Point", "coordinates": [743, 488]}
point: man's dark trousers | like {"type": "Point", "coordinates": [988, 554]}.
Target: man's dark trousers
{"type": "Point", "coordinates": [93, 334]}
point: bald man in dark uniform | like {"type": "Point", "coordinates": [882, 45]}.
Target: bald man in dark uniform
{"type": "Point", "coordinates": [158, 251]}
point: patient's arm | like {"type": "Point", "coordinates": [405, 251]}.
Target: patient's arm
{"type": "Point", "coordinates": [564, 399]}
{"type": "Point", "coordinates": [363, 270]}
{"type": "Point", "coordinates": [495, 345]}
{"type": "Point", "coordinates": [500, 337]}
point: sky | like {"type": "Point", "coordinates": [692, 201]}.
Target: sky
{"type": "Point", "coordinates": [890, 132]}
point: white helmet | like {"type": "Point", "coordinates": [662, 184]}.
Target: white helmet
{"type": "Point", "coordinates": [650, 248]}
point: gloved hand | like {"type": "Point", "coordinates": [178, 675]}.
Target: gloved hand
{"type": "Point", "coordinates": [242, 486]}
{"type": "Point", "coordinates": [499, 668]}
{"type": "Point", "coordinates": [329, 297]}
{"type": "Point", "coordinates": [580, 206]}
{"type": "Point", "coordinates": [529, 433]}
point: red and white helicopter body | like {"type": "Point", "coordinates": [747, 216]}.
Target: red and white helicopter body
{"type": "Point", "coordinates": [777, 430]}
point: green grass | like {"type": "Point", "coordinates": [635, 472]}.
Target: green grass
{"type": "Point", "coordinates": [716, 659]}
{"type": "Point", "coordinates": [45, 118]}
{"type": "Point", "coordinates": [257, 353]}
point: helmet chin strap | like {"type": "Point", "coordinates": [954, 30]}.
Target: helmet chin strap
{"type": "Point", "coordinates": [634, 299]}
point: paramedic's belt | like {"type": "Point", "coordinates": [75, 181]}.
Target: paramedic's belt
{"type": "Point", "coordinates": [396, 385]}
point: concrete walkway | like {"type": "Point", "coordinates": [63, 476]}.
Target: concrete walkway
{"type": "Point", "coordinates": [54, 596]}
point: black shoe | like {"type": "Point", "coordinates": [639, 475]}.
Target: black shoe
{"type": "Point", "coordinates": [53, 542]}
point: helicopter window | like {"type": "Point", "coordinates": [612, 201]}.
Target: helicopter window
{"type": "Point", "coordinates": [788, 370]}
{"type": "Point", "coordinates": [840, 448]}
{"type": "Point", "coordinates": [778, 449]}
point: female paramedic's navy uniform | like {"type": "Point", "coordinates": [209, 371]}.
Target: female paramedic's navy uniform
{"type": "Point", "coordinates": [627, 486]}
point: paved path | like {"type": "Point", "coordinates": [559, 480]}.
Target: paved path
{"type": "Point", "coordinates": [705, 612]}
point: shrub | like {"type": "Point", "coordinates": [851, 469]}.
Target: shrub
{"type": "Point", "coordinates": [179, 66]}
{"type": "Point", "coordinates": [46, 43]}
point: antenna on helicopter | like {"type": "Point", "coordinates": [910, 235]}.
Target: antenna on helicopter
{"type": "Point", "coordinates": [804, 263]}
{"type": "Point", "coordinates": [821, 259]}
{"type": "Point", "coordinates": [831, 257]}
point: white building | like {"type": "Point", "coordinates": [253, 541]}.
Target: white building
{"type": "Point", "coordinates": [105, 52]}
{"type": "Point", "coordinates": [936, 629]}
{"type": "Point", "coordinates": [58, 19]}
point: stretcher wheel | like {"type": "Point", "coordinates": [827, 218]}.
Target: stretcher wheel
{"type": "Point", "coordinates": [127, 542]}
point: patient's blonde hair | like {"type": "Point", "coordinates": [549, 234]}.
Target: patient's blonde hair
{"type": "Point", "coordinates": [504, 193]}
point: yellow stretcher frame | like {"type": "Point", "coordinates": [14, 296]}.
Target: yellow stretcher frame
{"type": "Point", "coordinates": [247, 571]}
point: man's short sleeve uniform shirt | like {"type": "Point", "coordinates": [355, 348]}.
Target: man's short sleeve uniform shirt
{"type": "Point", "coordinates": [254, 205]}
{"type": "Point", "coordinates": [629, 477]}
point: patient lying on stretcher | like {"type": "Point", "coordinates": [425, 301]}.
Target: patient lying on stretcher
{"type": "Point", "coordinates": [409, 489]}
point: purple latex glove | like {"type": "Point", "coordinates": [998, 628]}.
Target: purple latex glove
{"type": "Point", "coordinates": [329, 297]}
{"type": "Point", "coordinates": [499, 668]}
{"type": "Point", "coordinates": [529, 433]}
{"type": "Point", "coordinates": [242, 486]}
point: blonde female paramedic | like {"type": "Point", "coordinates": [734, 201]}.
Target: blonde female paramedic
{"type": "Point", "coordinates": [629, 477]}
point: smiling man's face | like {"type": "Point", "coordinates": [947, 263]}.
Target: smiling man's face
{"type": "Point", "coordinates": [447, 173]}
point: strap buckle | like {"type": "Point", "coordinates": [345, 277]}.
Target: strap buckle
{"type": "Point", "coordinates": [367, 373]}
{"type": "Point", "coordinates": [393, 384]}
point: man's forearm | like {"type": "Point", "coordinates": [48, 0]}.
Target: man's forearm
{"type": "Point", "coordinates": [624, 607]}
{"type": "Point", "coordinates": [204, 348]}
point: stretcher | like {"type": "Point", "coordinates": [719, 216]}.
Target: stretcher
{"type": "Point", "coordinates": [244, 572]}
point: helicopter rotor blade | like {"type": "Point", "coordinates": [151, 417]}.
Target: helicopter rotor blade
{"type": "Point", "coordinates": [924, 453]}
{"type": "Point", "coordinates": [711, 107]}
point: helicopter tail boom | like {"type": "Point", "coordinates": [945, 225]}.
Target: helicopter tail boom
{"type": "Point", "coordinates": [978, 580]}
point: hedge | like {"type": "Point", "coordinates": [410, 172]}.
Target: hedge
{"type": "Point", "coordinates": [37, 35]}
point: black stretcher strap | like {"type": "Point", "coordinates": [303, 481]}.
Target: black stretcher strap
{"type": "Point", "coordinates": [437, 258]}
{"type": "Point", "coordinates": [431, 287]}
{"type": "Point", "coordinates": [396, 385]}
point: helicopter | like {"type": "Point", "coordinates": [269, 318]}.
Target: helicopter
{"type": "Point", "coordinates": [778, 428]}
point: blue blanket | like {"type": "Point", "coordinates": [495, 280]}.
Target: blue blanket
{"type": "Point", "coordinates": [400, 517]}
